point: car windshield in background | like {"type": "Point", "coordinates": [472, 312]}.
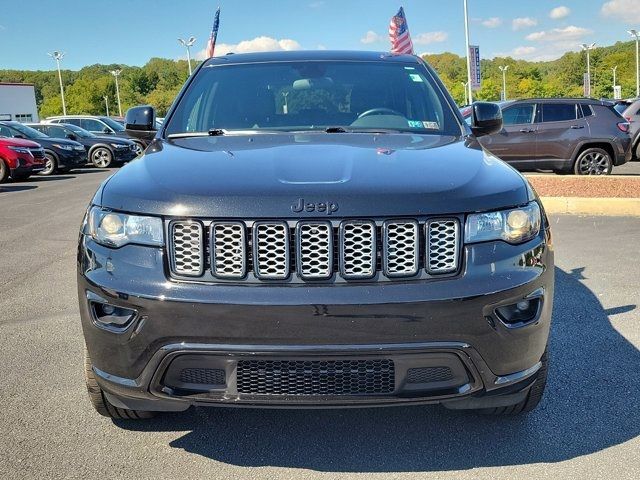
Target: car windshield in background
{"type": "Point", "coordinates": [118, 127]}
{"type": "Point", "coordinates": [80, 132]}
{"type": "Point", "coordinates": [28, 131]}
{"type": "Point", "coordinates": [316, 95]}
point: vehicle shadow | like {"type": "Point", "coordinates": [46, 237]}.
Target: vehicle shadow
{"type": "Point", "coordinates": [51, 178]}
{"type": "Point", "coordinates": [15, 187]}
{"type": "Point", "coordinates": [591, 403]}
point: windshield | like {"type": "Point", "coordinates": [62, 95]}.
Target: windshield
{"type": "Point", "coordinates": [27, 131]}
{"type": "Point", "coordinates": [314, 95]}
{"type": "Point", "coordinates": [113, 124]}
{"type": "Point", "coordinates": [80, 132]}
{"type": "Point", "coordinates": [620, 107]}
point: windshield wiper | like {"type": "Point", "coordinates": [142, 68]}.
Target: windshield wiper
{"type": "Point", "coordinates": [216, 132]}
{"type": "Point", "coordinates": [335, 130]}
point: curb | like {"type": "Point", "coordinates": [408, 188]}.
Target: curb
{"type": "Point", "coordinates": [615, 207]}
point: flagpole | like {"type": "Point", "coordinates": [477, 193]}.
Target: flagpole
{"type": "Point", "coordinates": [466, 35]}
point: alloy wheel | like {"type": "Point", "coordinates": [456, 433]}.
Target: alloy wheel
{"type": "Point", "coordinates": [594, 163]}
{"type": "Point", "coordinates": [101, 157]}
{"type": "Point", "coordinates": [49, 165]}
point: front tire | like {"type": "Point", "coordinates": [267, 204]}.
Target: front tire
{"type": "Point", "coordinates": [50, 165]}
{"type": "Point", "coordinates": [593, 161]}
{"type": "Point", "coordinates": [139, 148]}
{"type": "Point", "coordinates": [4, 171]}
{"type": "Point", "coordinates": [533, 397]}
{"type": "Point", "coordinates": [101, 157]}
{"type": "Point", "coordinates": [100, 402]}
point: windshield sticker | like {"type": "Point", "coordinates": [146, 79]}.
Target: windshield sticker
{"type": "Point", "coordinates": [414, 123]}
{"type": "Point", "coordinates": [415, 77]}
{"type": "Point", "coordinates": [431, 125]}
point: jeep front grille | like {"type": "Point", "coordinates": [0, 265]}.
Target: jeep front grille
{"type": "Point", "coordinates": [313, 250]}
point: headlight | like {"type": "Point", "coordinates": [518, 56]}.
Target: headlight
{"type": "Point", "coordinates": [18, 149]}
{"type": "Point", "coordinates": [516, 225]}
{"type": "Point", "coordinates": [80, 148]}
{"type": "Point", "coordinates": [63, 147]}
{"type": "Point", "coordinates": [119, 145]}
{"type": "Point", "coordinates": [115, 229]}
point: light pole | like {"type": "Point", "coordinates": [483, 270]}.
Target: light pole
{"type": "Point", "coordinates": [188, 44]}
{"type": "Point", "coordinates": [106, 102]}
{"type": "Point", "coordinates": [57, 56]}
{"type": "Point", "coordinates": [636, 35]}
{"type": "Point", "coordinates": [588, 48]}
{"type": "Point", "coordinates": [464, 85]}
{"type": "Point", "coordinates": [116, 73]}
{"type": "Point", "coordinates": [614, 78]}
{"type": "Point", "coordinates": [504, 81]}
{"type": "Point", "coordinates": [466, 37]}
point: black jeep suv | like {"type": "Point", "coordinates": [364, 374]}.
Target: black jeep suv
{"type": "Point", "coordinates": [315, 229]}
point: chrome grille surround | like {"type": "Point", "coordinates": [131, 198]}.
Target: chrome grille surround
{"type": "Point", "coordinates": [271, 250]}
{"type": "Point", "coordinates": [401, 248]}
{"type": "Point", "coordinates": [358, 249]}
{"type": "Point", "coordinates": [228, 250]}
{"type": "Point", "coordinates": [186, 248]}
{"type": "Point", "coordinates": [314, 249]}
{"type": "Point", "coordinates": [443, 239]}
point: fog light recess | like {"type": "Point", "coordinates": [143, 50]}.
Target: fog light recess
{"type": "Point", "coordinates": [111, 317]}
{"type": "Point", "coordinates": [521, 313]}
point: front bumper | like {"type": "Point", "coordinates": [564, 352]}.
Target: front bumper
{"type": "Point", "coordinates": [436, 324]}
{"type": "Point", "coordinates": [123, 154]}
{"type": "Point", "coordinates": [71, 158]}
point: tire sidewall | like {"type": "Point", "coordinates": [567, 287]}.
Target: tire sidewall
{"type": "Point", "coordinates": [4, 171]}
{"type": "Point", "coordinates": [576, 166]}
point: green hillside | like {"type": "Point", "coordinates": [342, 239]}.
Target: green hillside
{"type": "Point", "coordinates": [159, 80]}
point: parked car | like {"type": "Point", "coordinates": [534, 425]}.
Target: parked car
{"type": "Point", "coordinates": [99, 125]}
{"type": "Point", "coordinates": [19, 158]}
{"type": "Point", "coordinates": [581, 136]}
{"type": "Point", "coordinates": [632, 114]}
{"type": "Point", "coordinates": [60, 154]}
{"type": "Point", "coordinates": [102, 151]}
{"type": "Point", "coordinates": [352, 249]}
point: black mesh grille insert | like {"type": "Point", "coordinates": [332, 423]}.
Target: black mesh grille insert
{"type": "Point", "coordinates": [429, 374]}
{"type": "Point", "coordinates": [207, 376]}
{"type": "Point", "coordinates": [315, 377]}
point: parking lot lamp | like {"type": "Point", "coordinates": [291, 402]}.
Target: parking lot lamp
{"type": "Point", "coordinates": [504, 81]}
{"type": "Point", "coordinates": [188, 44]}
{"type": "Point", "coordinates": [464, 85]}
{"type": "Point", "coordinates": [116, 73]}
{"type": "Point", "coordinates": [636, 35]}
{"type": "Point", "coordinates": [466, 36]}
{"type": "Point", "coordinates": [57, 56]}
{"type": "Point", "coordinates": [106, 102]}
{"type": "Point", "coordinates": [613, 69]}
{"type": "Point", "coordinates": [588, 48]}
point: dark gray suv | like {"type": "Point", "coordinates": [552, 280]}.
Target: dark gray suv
{"type": "Point", "coordinates": [581, 136]}
{"type": "Point", "coordinates": [315, 229]}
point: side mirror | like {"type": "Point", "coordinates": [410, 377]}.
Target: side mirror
{"type": "Point", "coordinates": [486, 118]}
{"type": "Point", "coordinates": [140, 122]}
{"type": "Point", "coordinates": [71, 136]}
{"type": "Point", "coordinates": [107, 130]}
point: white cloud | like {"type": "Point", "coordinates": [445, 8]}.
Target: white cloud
{"type": "Point", "coordinates": [570, 32]}
{"type": "Point", "coordinates": [626, 10]}
{"type": "Point", "coordinates": [370, 37]}
{"type": "Point", "coordinates": [525, 50]}
{"type": "Point", "coordinates": [430, 37]}
{"type": "Point", "coordinates": [492, 22]}
{"type": "Point", "coordinates": [258, 44]}
{"type": "Point", "coordinates": [559, 12]}
{"type": "Point", "coordinates": [523, 22]}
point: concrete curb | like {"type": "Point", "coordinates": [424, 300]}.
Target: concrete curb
{"type": "Point", "coordinates": [615, 207]}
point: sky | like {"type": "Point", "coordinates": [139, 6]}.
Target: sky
{"type": "Point", "coordinates": [132, 31]}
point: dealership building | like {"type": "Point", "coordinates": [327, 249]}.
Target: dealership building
{"type": "Point", "coordinates": [18, 102]}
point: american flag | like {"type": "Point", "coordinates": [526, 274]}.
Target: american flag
{"type": "Point", "coordinates": [211, 46]}
{"type": "Point", "coordinates": [399, 34]}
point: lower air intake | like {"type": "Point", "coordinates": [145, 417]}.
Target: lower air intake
{"type": "Point", "coordinates": [315, 377]}
{"type": "Point", "coordinates": [429, 375]}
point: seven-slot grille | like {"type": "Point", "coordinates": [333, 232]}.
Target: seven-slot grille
{"type": "Point", "coordinates": [37, 152]}
{"type": "Point", "coordinates": [313, 249]}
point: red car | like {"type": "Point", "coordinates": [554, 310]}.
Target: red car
{"type": "Point", "coordinates": [20, 158]}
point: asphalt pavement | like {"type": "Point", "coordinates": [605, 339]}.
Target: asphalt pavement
{"type": "Point", "coordinates": [588, 425]}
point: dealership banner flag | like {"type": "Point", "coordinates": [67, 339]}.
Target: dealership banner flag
{"type": "Point", "coordinates": [399, 34]}
{"type": "Point", "coordinates": [476, 77]}
{"type": "Point", "coordinates": [211, 46]}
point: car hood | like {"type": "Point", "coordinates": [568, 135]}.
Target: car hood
{"type": "Point", "coordinates": [18, 142]}
{"type": "Point", "coordinates": [268, 175]}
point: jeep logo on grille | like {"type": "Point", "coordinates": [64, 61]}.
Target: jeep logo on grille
{"type": "Point", "coordinates": [321, 207]}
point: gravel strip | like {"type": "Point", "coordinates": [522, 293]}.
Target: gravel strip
{"type": "Point", "coordinates": [599, 187]}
